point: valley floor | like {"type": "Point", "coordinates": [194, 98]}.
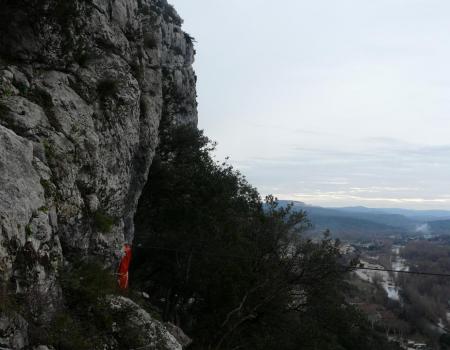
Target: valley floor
{"type": "Point", "coordinates": [412, 310]}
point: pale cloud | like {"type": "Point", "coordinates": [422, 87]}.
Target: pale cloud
{"type": "Point", "coordinates": [376, 189]}
{"type": "Point", "coordinates": [341, 197]}
{"type": "Point", "coordinates": [332, 182]}
{"type": "Point", "coordinates": [345, 102]}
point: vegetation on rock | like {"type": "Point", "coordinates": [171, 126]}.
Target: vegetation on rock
{"type": "Point", "coordinates": [104, 223]}
{"type": "Point", "coordinates": [107, 88]}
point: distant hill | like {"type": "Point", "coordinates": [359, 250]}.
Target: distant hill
{"type": "Point", "coordinates": [421, 215]}
{"type": "Point", "coordinates": [440, 227]}
{"type": "Point", "coordinates": [348, 227]}
{"type": "Point", "coordinates": [364, 222]}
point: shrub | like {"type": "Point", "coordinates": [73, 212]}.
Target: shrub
{"type": "Point", "coordinates": [43, 209]}
{"type": "Point", "coordinates": [7, 92]}
{"type": "Point", "coordinates": [150, 41]}
{"type": "Point", "coordinates": [170, 14]}
{"type": "Point", "coordinates": [43, 99]}
{"type": "Point", "coordinates": [65, 333]}
{"type": "Point", "coordinates": [8, 300]}
{"type": "Point", "coordinates": [178, 51]}
{"type": "Point", "coordinates": [135, 69]}
{"type": "Point", "coordinates": [189, 39]}
{"type": "Point", "coordinates": [3, 110]}
{"type": "Point", "coordinates": [49, 149]}
{"type": "Point", "coordinates": [86, 319]}
{"type": "Point", "coordinates": [46, 185]}
{"type": "Point", "coordinates": [65, 10]}
{"type": "Point", "coordinates": [23, 89]}
{"type": "Point", "coordinates": [82, 58]}
{"type": "Point", "coordinates": [103, 222]}
{"type": "Point", "coordinates": [444, 340]}
{"type": "Point", "coordinates": [87, 283]}
{"type": "Point", "coordinates": [145, 10]}
{"type": "Point", "coordinates": [107, 87]}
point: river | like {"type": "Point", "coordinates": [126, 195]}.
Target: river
{"type": "Point", "coordinates": [386, 279]}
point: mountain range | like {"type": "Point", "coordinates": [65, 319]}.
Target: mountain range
{"type": "Point", "coordinates": [358, 221]}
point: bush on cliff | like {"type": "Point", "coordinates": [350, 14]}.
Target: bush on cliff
{"type": "Point", "coordinates": [85, 319]}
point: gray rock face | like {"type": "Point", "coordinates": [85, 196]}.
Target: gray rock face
{"type": "Point", "coordinates": [179, 335]}
{"type": "Point", "coordinates": [148, 332]}
{"type": "Point", "coordinates": [83, 86]}
{"type": "Point", "coordinates": [13, 332]}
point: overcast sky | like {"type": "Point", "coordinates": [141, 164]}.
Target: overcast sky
{"type": "Point", "coordinates": [328, 102]}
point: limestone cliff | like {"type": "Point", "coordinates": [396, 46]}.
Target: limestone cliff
{"type": "Point", "coordinates": [83, 87]}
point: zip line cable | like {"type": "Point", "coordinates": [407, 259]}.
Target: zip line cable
{"type": "Point", "coordinates": [350, 268]}
{"type": "Point", "coordinates": [347, 268]}
{"type": "Point", "coordinates": [402, 271]}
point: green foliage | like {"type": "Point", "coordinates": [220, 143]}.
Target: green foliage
{"type": "Point", "coordinates": [8, 301]}
{"type": "Point", "coordinates": [87, 283]}
{"type": "Point", "coordinates": [82, 58]}
{"type": "Point", "coordinates": [103, 222]}
{"type": "Point", "coordinates": [107, 88]}
{"type": "Point", "coordinates": [144, 9]}
{"type": "Point", "coordinates": [86, 317]}
{"type": "Point", "coordinates": [23, 89]}
{"type": "Point", "coordinates": [66, 333]}
{"type": "Point", "coordinates": [136, 69]}
{"type": "Point", "coordinates": [7, 92]}
{"type": "Point", "coordinates": [3, 110]}
{"type": "Point", "coordinates": [177, 50]}
{"type": "Point", "coordinates": [189, 39]}
{"type": "Point", "coordinates": [67, 14]}
{"type": "Point", "coordinates": [233, 271]}
{"type": "Point", "coordinates": [42, 98]}
{"type": "Point", "coordinates": [425, 297]}
{"type": "Point", "coordinates": [444, 341]}
{"type": "Point", "coordinates": [28, 230]}
{"type": "Point", "coordinates": [43, 209]}
{"type": "Point", "coordinates": [65, 10]}
{"type": "Point", "coordinates": [329, 323]}
{"type": "Point", "coordinates": [85, 287]}
{"type": "Point", "coordinates": [170, 14]}
{"type": "Point", "coordinates": [46, 185]}
{"type": "Point", "coordinates": [150, 41]}
{"type": "Point", "coordinates": [49, 148]}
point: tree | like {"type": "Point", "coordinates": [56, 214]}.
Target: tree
{"type": "Point", "coordinates": [233, 271]}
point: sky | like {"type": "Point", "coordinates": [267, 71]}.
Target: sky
{"type": "Point", "coordinates": [333, 103]}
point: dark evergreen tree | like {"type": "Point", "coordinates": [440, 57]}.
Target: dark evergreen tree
{"type": "Point", "coordinates": [233, 271]}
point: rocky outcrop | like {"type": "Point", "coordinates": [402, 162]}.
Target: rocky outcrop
{"type": "Point", "coordinates": [13, 332]}
{"type": "Point", "coordinates": [145, 331]}
{"type": "Point", "coordinates": [83, 87]}
{"type": "Point", "coordinates": [178, 334]}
